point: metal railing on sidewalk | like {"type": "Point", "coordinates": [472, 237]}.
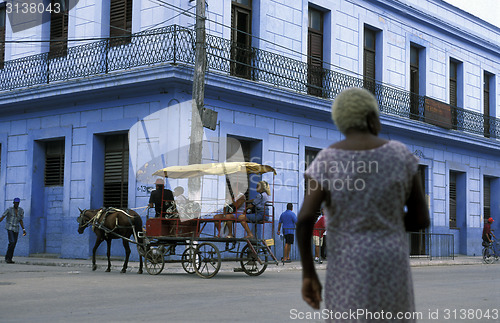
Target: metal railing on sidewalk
{"type": "Point", "coordinates": [431, 245]}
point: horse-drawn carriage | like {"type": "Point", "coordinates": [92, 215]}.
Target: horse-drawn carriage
{"type": "Point", "coordinates": [195, 239]}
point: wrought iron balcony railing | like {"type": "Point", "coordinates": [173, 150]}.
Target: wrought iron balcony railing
{"type": "Point", "coordinates": [175, 44]}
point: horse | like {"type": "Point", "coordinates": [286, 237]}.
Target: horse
{"type": "Point", "coordinates": [112, 223]}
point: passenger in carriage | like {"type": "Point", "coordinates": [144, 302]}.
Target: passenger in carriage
{"type": "Point", "coordinates": [168, 206]}
{"type": "Point", "coordinates": [179, 195]}
{"type": "Point", "coordinates": [186, 208]}
{"type": "Point", "coordinates": [261, 210]}
{"type": "Point", "coordinates": [230, 212]}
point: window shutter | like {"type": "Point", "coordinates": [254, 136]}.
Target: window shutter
{"type": "Point", "coordinates": [116, 161]}
{"type": "Point", "coordinates": [486, 110]}
{"type": "Point", "coordinates": [54, 163]}
{"type": "Point", "coordinates": [453, 200]}
{"type": "Point", "coordinates": [487, 203]}
{"type": "Point", "coordinates": [120, 21]}
{"type": "Point", "coordinates": [117, 19]}
{"type": "Point", "coordinates": [369, 65]}
{"type": "Point", "coordinates": [486, 103]}
{"type": "Point", "coordinates": [369, 70]}
{"type": "Point", "coordinates": [2, 35]}
{"type": "Point", "coordinates": [315, 49]}
{"type": "Point", "coordinates": [241, 51]}
{"type": "Point", "coordinates": [58, 32]}
{"type": "Point", "coordinates": [453, 92]}
{"type": "Point", "coordinates": [315, 63]}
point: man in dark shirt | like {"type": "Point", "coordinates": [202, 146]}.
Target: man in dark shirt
{"type": "Point", "coordinates": [167, 208]}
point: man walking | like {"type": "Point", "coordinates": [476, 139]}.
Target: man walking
{"type": "Point", "coordinates": [288, 219]}
{"type": "Point", "coordinates": [318, 231]}
{"type": "Point", "coordinates": [15, 216]}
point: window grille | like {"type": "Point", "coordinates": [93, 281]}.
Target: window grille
{"type": "Point", "coordinates": [453, 199]}
{"type": "Point", "coordinates": [59, 30]}
{"type": "Point", "coordinates": [54, 163]}
{"type": "Point", "coordinates": [120, 22]}
{"type": "Point", "coordinates": [116, 166]}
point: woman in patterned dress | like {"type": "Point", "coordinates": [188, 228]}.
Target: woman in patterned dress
{"type": "Point", "coordinates": [365, 182]}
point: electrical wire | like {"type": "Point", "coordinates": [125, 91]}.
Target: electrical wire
{"type": "Point", "coordinates": [167, 20]}
{"type": "Point", "coordinates": [194, 15]}
{"type": "Point", "coordinates": [190, 15]}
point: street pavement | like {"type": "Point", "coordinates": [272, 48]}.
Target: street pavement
{"type": "Point", "coordinates": [49, 289]}
{"type": "Point", "coordinates": [117, 263]}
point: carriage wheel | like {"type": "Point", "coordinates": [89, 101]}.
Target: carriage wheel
{"type": "Point", "coordinates": [488, 258]}
{"type": "Point", "coordinates": [250, 260]}
{"type": "Point", "coordinates": [154, 261]}
{"type": "Point", "coordinates": [209, 260]}
{"type": "Point", "coordinates": [189, 262]}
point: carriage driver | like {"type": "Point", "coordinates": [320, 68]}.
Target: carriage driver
{"type": "Point", "coordinates": [160, 193]}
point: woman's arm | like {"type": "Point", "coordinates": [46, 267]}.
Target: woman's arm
{"type": "Point", "coordinates": [311, 287]}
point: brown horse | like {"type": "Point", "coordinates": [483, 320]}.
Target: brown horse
{"type": "Point", "coordinates": [111, 223]}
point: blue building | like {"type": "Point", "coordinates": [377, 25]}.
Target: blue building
{"type": "Point", "coordinates": [87, 118]}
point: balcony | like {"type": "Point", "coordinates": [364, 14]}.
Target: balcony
{"type": "Point", "coordinates": [176, 45]}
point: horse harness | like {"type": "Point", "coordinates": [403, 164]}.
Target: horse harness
{"type": "Point", "coordinates": [100, 217]}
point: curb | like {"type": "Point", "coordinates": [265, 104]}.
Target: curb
{"type": "Point", "coordinates": [225, 266]}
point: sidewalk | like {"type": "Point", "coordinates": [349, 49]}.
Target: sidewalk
{"type": "Point", "coordinates": [52, 260]}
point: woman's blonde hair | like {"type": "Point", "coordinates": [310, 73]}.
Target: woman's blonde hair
{"type": "Point", "coordinates": [351, 107]}
{"type": "Point", "coordinates": [264, 186]}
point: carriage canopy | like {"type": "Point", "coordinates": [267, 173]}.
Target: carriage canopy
{"type": "Point", "coordinates": [213, 169]}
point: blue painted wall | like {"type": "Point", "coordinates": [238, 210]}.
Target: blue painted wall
{"type": "Point", "coordinates": [152, 104]}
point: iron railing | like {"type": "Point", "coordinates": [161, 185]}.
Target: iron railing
{"type": "Point", "coordinates": [175, 44]}
{"type": "Point", "coordinates": [431, 245]}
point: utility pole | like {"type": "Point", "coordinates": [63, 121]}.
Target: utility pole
{"type": "Point", "coordinates": [197, 106]}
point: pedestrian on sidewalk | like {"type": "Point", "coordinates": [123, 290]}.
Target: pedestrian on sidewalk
{"type": "Point", "coordinates": [318, 232]}
{"type": "Point", "coordinates": [364, 183]}
{"type": "Point", "coordinates": [14, 215]}
{"type": "Point", "coordinates": [288, 219]}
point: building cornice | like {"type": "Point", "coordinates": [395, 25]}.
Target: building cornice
{"type": "Point", "coordinates": [430, 19]}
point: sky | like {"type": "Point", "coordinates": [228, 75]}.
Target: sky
{"type": "Point", "coordinates": [488, 10]}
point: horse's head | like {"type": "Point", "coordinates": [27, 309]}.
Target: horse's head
{"type": "Point", "coordinates": [83, 220]}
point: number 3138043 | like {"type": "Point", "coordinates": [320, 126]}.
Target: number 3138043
{"type": "Point", "coordinates": [26, 8]}
{"type": "Point", "coordinates": [471, 314]}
